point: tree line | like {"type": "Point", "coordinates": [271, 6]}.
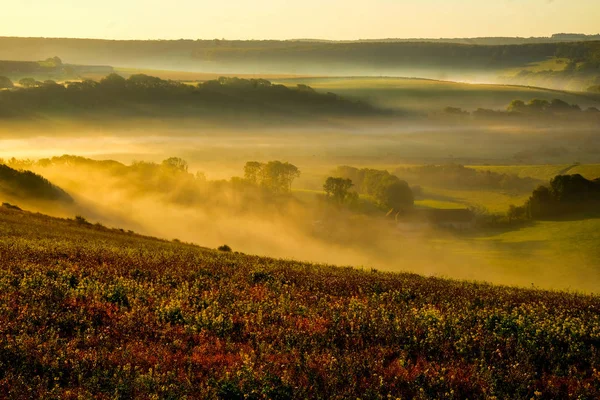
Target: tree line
{"type": "Point", "coordinates": [276, 176]}
{"type": "Point", "coordinates": [566, 194]}
{"type": "Point", "coordinates": [535, 108]}
{"type": "Point", "coordinates": [223, 95]}
{"type": "Point", "coordinates": [459, 176]}
{"type": "Point", "coordinates": [386, 189]}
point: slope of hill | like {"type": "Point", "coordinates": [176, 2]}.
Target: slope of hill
{"type": "Point", "coordinates": [425, 95]}
{"type": "Point", "coordinates": [91, 311]}
{"type": "Point", "coordinates": [424, 59]}
{"type": "Point", "coordinates": [28, 186]}
{"type": "Point", "coordinates": [143, 95]}
{"type": "Point", "coordinates": [51, 68]}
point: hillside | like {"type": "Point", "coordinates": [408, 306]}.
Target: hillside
{"type": "Point", "coordinates": [144, 95]}
{"type": "Point", "coordinates": [427, 96]}
{"type": "Point", "coordinates": [392, 58]}
{"type": "Point", "coordinates": [29, 187]}
{"type": "Point", "coordinates": [51, 68]}
{"type": "Point", "coordinates": [91, 311]}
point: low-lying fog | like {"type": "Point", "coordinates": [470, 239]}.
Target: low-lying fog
{"type": "Point", "coordinates": [302, 227]}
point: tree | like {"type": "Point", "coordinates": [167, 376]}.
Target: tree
{"type": "Point", "coordinates": [395, 194]}
{"type": "Point", "coordinates": [337, 188]}
{"type": "Point", "coordinates": [516, 213]}
{"type": "Point", "coordinates": [274, 175]}
{"type": "Point", "coordinates": [517, 106]}
{"type": "Point", "coordinates": [278, 176]}
{"type": "Point", "coordinates": [29, 82]}
{"type": "Point", "coordinates": [113, 81]}
{"type": "Point", "coordinates": [538, 105]}
{"type": "Point", "coordinates": [541, 203]}
{"type": "Point", "coordinates": [5, 83]}
{"type": "Point", "coordinates": [252, 170]}
{"type": "Point", "coordinates": [456, 111]}
{"type": "Point", "coordinates": [176, 163]}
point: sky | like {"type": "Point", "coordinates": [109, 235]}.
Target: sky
{"type": "Point", "coordinates": [295, 19]}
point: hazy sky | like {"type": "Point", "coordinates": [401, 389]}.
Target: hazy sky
{"type": "Point", "coordinates": [286, 19]}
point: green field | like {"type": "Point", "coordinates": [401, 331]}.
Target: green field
{"type": "Point", "coordinates": [560, 254]}
{"type": "Point", "coordinates": [551, 64]}
{"type": "Point", "coordinates": [543, 172]}
{"type": "Point", "coordinates": [423, 95]}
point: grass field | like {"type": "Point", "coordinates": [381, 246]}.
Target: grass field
{"type": "Point", "coordinates": [543, 172]}
{"type": "Point", "coordinates": [194, 77]}
{"type": "Point", "coordinates": [431, 95]}
{"type": "Point", "coordinates": [551, 64]}
{"type": "Point", "coordinates": [559, 254]}
{"type": "Point", "coordinates": [91, 312]}
{"type": "Point", "coordinates": [495, 201]}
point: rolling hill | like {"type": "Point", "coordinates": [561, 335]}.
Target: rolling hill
{"type": "Point", "coordinates": [19, 185]}
{"type": "Point", "coordinates": [392, 58]}
{"type": "Point", "coordinates": [93, 311]}
{"type": "Point", "coordinates": [224, 99]}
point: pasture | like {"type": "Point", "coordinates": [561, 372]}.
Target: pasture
{"type": "Point", "coordinates": [424, 95]}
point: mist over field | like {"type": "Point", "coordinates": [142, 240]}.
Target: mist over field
{"type": "Point", "coordinates": [204, 206]}
{"type": "Point", "coordinates": [132, 123]}
{"type": "Point", "coordinates": [280, 200]}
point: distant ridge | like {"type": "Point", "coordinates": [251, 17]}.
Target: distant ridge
{"type": "Point", "coordinates": [482, 40]}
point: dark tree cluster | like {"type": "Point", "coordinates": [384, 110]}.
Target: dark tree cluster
{"type": "Point", "coordinates": [566, 194]}
{"type": "Point", "coordinates": [217, 97]}
{"type": "Point", "coordinates": [387, 189]}
{"type": "Point", "coordinates": [533, 109]}
{"type": "Point", "coordinates": [459, 176]}
{"type": "Point", "coordinates": [276, 176]}
{"type": "Point", "coordinates": [338, 189]}
{"type": "Point", "coordinates": [5, 83]}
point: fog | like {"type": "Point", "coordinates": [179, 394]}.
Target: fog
{"type": "Point", "coordinates": [301, 226]}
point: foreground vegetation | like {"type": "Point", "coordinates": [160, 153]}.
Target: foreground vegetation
{"type": "Point", "coordinates": [96, 312]}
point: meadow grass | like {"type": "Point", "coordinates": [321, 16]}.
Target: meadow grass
{"type": "Point", "coordinates": [92, 312]}
{"type": "Point", "coordinates": [495, 201]}
{"type": "Point", "coordinates": [543, 172]}
{"type": "Point", "coordinates": [424, 95]}
{"type": "Point", "coordinates": [551, 64]}
{"type": "Point", "coordinates": [443, 204]}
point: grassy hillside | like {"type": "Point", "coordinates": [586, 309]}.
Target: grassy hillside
{"type": "Point", "coordinates": [143, 95]}
{"type": "Point", "coordinates": [27, 186]}
{"type": "Point", "coordinates": [430, 59]}
{"type": "Point", "coordinates": [93, 312]}
{"type": "Point", "coordinates": [431, 95]}
{"type": "Point", "coordinates": [544, 172]}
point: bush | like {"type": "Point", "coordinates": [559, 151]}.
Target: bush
{"type": "Point", "coordinates": [224, 248]}
{"type": "Point", "coordinates": [81, 220]}
{"type": "Point", "coordinates": [11, 206]}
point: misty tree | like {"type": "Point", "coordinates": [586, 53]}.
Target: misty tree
{"type": "Point", "coordinates": [5, 83]}
{"type": "Point", "coordinates": [175, 163]}
{"type": "Point", "coordinates": [54, 61]}
{"type": "Point", "coordinates": [395, 194]}
{"type": "Point", "coordinates": [251, 171]}
{"type": "Point", "coordinates": [29, 82]}
{"type": "Point", "coordinates": [275, 175]}
{"type": "Point", "coordinates": [516, 106]}
{"type": "Point", "coordinates": [279, 176]}
{"type": "Point", "coordinates": [337, 189]}
{"type": "Point", "coordinates": [201, 176]}
{"type": "Point", "coordinates": [113, 81]}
